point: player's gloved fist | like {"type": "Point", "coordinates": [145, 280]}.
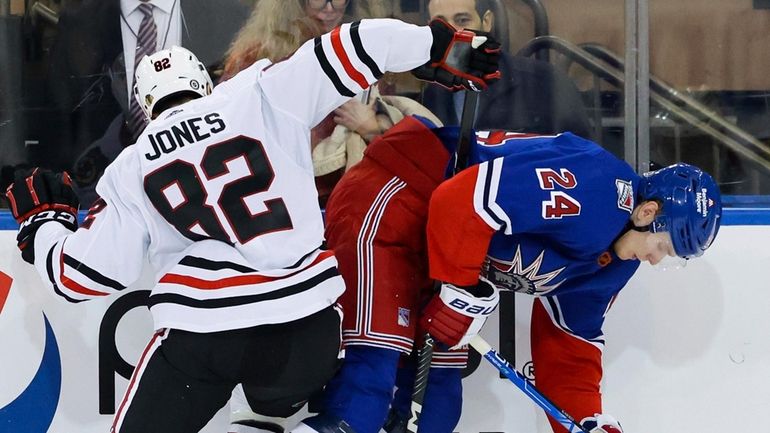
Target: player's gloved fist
{"type": "Point", "coordinates": [456, 314]}
{"type": "Point", "coordinates": [601, 423]}
{"type": "Point", "coordinates": [460, 59]}
{"type": "Point", "coordinates": [37, 197]}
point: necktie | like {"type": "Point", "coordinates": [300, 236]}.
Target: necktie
{"type": "Point", "coordinates": [146, 40]}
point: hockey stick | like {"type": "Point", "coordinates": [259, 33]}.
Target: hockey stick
{"type": "Point", "coordinates": [524, 384]}
{"type": "Point", "coordinates": [420, 383]}
{"type": "Point", "coordinates": [466, 126]}
{"type": "Point", "coordinates": [426, 351]}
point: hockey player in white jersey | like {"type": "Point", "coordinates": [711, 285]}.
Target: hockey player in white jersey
{"type": "Point", "coordinates": [218, 195]}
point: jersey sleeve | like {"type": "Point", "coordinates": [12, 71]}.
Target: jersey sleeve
{"type": "Point", "coordinates": [459, 228]}
{"type": "Point", "coordinates": [327, 71]}
{"type": "Point", "coordinates": [105, 254]}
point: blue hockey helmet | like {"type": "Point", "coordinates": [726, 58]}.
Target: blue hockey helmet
{"type": "Point", "coordinates": [691, 210]}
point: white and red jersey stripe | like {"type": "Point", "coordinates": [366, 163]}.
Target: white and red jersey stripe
{"type": "Point", "coordinates": [218, 194]}
{"type": "Point", "coordinates": [213, 288]}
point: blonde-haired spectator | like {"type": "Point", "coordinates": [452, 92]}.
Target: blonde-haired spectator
{"type": "Point", "coordinates": [275, 29]}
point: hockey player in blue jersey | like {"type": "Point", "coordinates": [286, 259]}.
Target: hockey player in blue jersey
{"type": "Point", "coordinates": [557, 217]}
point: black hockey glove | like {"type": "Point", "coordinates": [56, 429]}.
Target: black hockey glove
{"type": "Point", "coordinates": [460, 59]}
{"type": "Point", "coordinates": [37, 197]}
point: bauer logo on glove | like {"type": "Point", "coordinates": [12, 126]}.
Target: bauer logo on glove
{"type": "Point", "coordinates": [456, 314]}
{"type": "Point", "coordinates": [462, 305]}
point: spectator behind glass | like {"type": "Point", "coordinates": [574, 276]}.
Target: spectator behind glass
{"type": "Point", "coordinates": [276, 29]}
{"type": "Point", "coordinates": [94, 52]}
{"type": "Point", "coordinates": [532, 95]}
{"type": "Point", "coordinates": [328, 12]}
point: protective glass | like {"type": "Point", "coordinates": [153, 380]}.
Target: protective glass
{"type": "Point", "coordinates": [320, 4]}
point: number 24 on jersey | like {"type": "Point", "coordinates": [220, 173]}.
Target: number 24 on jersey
{"type": "Point", "coordinates": [560, 204]}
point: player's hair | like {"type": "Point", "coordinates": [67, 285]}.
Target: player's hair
{"type": "Point", "coordinates": [275, 29]}
{"type": "Point", "coordinates": [173, 100]}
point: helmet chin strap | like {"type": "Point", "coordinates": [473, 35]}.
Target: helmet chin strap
{"type": "Point", "coordinates": [628, 227]}
{"type": "Point", "coordinates": [634, 227]}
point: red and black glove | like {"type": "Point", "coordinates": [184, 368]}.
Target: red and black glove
{"type": "Point", "coordinates": [37, 197]}
{"type": "Point", "coordinates": [601, 423]}
{"type": "Point", "coordinates": [460, 60]}
{"type": "Point", "coordinates": [456, 314]}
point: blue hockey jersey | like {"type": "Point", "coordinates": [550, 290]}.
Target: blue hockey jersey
{"type": "Point", "coordinates": [538, 215]}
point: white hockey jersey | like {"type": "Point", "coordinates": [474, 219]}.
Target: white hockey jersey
{"type": "Point", "coordinates": [219, 194]}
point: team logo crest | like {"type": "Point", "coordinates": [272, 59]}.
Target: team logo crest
{"type": "Point", "coordinates": [521, 277]}
{"type": "Point", "coordinates": [403, 317]}
{"type": "Point", "coordinates": [625, 195]}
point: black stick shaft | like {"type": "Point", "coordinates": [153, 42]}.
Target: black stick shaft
{"type": "Point", "coordinates": [420, 383]}
{"type": "Point", "coordinates": [466, 129]}
{"type": "Point", "coordinates": [425, 355]}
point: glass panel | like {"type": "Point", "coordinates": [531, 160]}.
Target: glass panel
{"type": "Point", "coordinates": [601, 91]}
{"type": "Point", "coordinates": [534, 96]}
{"type": "Point", "coordinates": [713, 56]}
{"type": "Point", "coordinates": [66, 75]}
{"type": "Point", "coordinates": [65, 91]}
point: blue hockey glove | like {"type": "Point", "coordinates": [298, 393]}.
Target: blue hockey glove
{"type": "Point", "coordinates": [37, 197]}
{"type": "Point", "coordinates": [460, 59]}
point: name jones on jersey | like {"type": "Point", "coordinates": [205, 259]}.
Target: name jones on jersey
{"type": "Point", "coordinates": [188, 131]}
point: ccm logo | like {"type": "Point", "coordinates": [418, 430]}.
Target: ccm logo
{"type": "Point", "coordinates": [50, 215]}
{"type": "Point", "coordinates": [479, 310]}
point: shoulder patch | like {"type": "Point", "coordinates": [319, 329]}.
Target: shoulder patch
{"type": "Point", "coordinates": [625, 195]}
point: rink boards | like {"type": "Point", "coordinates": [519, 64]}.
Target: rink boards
{"type": "Point", "coordinates": [687, 350]}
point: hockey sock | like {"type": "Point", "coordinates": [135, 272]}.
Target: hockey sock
{"type": "Point", "coordinates": [361, 391]}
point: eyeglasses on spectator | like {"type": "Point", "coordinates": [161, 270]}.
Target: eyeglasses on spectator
{"type": "Point", "coordinates": [320, 4]}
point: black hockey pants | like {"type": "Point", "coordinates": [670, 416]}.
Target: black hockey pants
{"type": "Point", "coordinates": [183, 378]}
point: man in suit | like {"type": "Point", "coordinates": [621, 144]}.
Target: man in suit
{"type": "Point", "coordinates": [532, 95]}
{"type": "Point", "coordinates": [95, 50]}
